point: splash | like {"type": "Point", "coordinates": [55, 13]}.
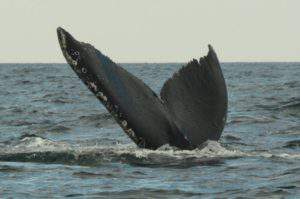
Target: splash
{"type": "Point", "coordinates": [38, 149]}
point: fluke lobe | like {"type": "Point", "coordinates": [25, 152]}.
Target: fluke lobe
{"type": "Point", "coordinates": [191, 109]}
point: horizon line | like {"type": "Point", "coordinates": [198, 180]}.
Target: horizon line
{"type": "Point", "coordinates": [155, 62]}
{"type": "Point", "coordinates": [163, 62]}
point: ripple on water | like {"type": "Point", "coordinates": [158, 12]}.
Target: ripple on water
{"type": "Point", "coordinates": [249, 119]}
{"type": "Point", "coordinates": [292, 144]}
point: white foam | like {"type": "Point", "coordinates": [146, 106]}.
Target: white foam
{"type": "Point", "coordinates": [211, 149]}
{"type": "Point", "coordinates": [38, 144]}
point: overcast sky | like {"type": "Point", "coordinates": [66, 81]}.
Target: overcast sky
{"type": "Point", "coordinates": [153, 30]}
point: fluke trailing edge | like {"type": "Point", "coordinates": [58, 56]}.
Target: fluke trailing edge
{"type": "Point", "coordinates": [191, 109]}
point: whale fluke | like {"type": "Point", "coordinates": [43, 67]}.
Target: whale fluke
{"type": "Point", "coordinates": [196, 97]}
{"type": "Point", "coordinates": [191, 110]}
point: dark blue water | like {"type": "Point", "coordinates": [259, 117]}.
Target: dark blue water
{"type": "Point", "coordinates": [57, 140]}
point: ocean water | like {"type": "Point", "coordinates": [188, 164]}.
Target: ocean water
{"type": "Point", "coordinates": [57, 140]}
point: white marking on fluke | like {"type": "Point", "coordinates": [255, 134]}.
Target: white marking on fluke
{"type": "Point", "coordinates": [131, 133]}
{"type": "Point", "coordinates": [124, 123]}
{"type": "Point", "coordinates": [63, 40]}
{"type": "Point", "coordinates": [83, 70]}
{"type": "Point", "coordinates": [104, 98]}
{"type": "Point", "coordinates": [101, 96]}
{"type": "Point", "coordinates": [93, 85]}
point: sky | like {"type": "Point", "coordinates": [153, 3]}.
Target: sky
{"type": "Point", "coordinates": [131, 31]}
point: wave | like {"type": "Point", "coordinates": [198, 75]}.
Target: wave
{"type": "Point", "coordinates": [292, 103]}
{"type": "Point", "coordinates": [294, 130]}
{"type": "Point", "coordinates": [293, 144]}
{"type": "Point", "coordinates": [249, 119]}
{"type": "Point", "coordinates": [292, 84]}
{"type": "Point", "coordinates": [38, 149]}
{"type": "Point", "coordinates": [142, 192]}
{"type": "Point", "coordinates": [96, 117]}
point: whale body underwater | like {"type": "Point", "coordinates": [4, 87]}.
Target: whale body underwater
{"type": "Point", "coordinates": [191, 109]}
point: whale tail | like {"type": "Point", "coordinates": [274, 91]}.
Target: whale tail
{"type": "Point", "coordinates": [196, 97]}
{"type": "Point", "coordinates": [191, 110]}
